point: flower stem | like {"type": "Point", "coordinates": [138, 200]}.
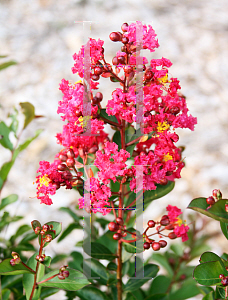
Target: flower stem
{"type": "Point", "coordinates": [45, 280]}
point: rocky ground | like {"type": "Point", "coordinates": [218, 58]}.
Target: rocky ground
{"type": "Point", "coordinates": [42, 36]}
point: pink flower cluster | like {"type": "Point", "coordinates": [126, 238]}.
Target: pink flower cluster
{"type": "Point", "coordinates": [180, 229]}
{"type": "Point", "coordinates": [50, 180]}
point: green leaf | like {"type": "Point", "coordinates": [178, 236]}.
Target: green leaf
{"type": "Point", "coordinates": [107, 240]}
{"type": "Point", "coordinates": [99, 251]}
{"type": "Point", "coordinates": [208, 273]}
{"type": "Point", "coordinates": [10, 281]}
{"type": "Point", "coordinates": [59, 257]}
{"type": "Point", "coordinates": [14, 123]}
{"type": "Point", "coordinates": [74, 282]}
{"type": "Point", "coordinates": [224, 229]}
{"type": "Point", "coordinates": [160, 191]}
{"type": "Point", "coordinates": [220, 292]}
{"type": "Point", "coordinates": [57, 227]}
{"type": "Point", "coordinates": [136, 295]}
{"type": "Point", "coordinates": [160, 283]}
{"type": "Point", "coordinates": [28, 279]}
{"type": "Point", "coordinates": [106, 116]}
{"type": "Point", "coordinates": [5, 141]}
{"type": "Point", "coordinates": [187, 290]}
{"type": "Point", "coordinates": [77, 261]}
{"type": "Point", "coordinates": [209, 256]}
{"type": "Point", "coordinates": [132, 248]}
{"type": "Point", "coordinates": [35, 223]}
{"type": "Point", "coordinates": [7, 269]}
{"type": "Point", "coordinates": [209, 296]}
{"type": "Point", "coordinates": [130, 149]}
{"type": "Point", "coordinates": [8, 200]}
{"type": "Point", "coordinates": [29, 112]}
{"type": "Point", "coordinates": [5, 294]}
{"type": "Point", "coordinates": [112, 266]}
{"type": "Point", "coordinates": [97, 270]}
{"type": "Point", "coordinates": [68, 230]}
{"type": "Point", "coordinates": [70, 212]}
{"type": "Point", "coordinates": [117, 139]}
{"type": "Point", "coordinates": [4, 171]}
{"type": "Point", "coordinates": [150, 271]}
{"type": "Point", "coordinates": [91, 293]}
{"type": "Point", "coordinates": [7, 64]}
{"type": "Point", "coordinates": [217, 211]}
{"type": "Point", "coordinates": [158, 297]}
{"type": "Point", "coordinates": [21, 230]}
{"type": "Point", "coordinates": [47, 261]}
{"type": "Point", "coordinates": [162, 260]}
{"type": "Point", "coordinates": [46, 292]}
{"type": "Point", "coordinates": [23, 146]}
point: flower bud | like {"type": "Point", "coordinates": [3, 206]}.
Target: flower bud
{"type": "Point", "coordinates": [146, 245]}
{"type": "Point", "coordinates": [117, 236]}
{"type": "Point", "coordinates": [112, 226]}
{"type": "Point", "coordinates": [66, 273]}
{"type": "Point", "coordinates": [172, 235]}
{"type": "Point", "coordinates": [45, 227]}
{"type": "Point", "coordinates": [119, 221]}
{"type": "Point", "coordinates": [12, 262]}
{"type": "Point", "coordinates": [217, 194]}
{"type": "Point", "coordinates": [156, 246]}
{"type": "Point", "coordinates": [210, 200]}
{"type": "Point", "coordinates": [151, 223]}
{"type": "Point", "coordinates": [61, 277]}
{"type": "Point", "coordinates": [37, 230]}
{"type": "Point", "coordinates": [15, 255]}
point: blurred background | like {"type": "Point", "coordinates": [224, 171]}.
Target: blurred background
{"type": "Point", "coordinates": [42, 36]}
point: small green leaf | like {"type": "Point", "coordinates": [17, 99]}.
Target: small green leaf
{"type": "Point", "coordinates": [99, 251]}
{"type": "Point", "coordinates": [28, 279]}
{"type": "Point", "coordinates": [4, 171]}
{"type": "Point", "coordinates": [220, 292]}
{"type": "Point", "coordinates": [150, 271]}
{"type": "Point", "coordinates": [106, 116]}
{"type": "Point", "coordinates": [160, 283]}
{"type": "Point", "coordinates": [209, 296]}
{"type": "Point", "coordinates": [35, 223]}
{"type": "Point", "coordinates": [7, 64]}
{"type": "Point", "coordinates": [77, 261]}
{"type": "Point", "coordinates": [7, 269]}
{"type": "Point", "coordinates": [208, 273]}
{"type": "Point", "coordinates": [162, 260]}
{"type": "Point", "coordinates": [5, 294]}
{"type": "Point", "coordinates": [224, 229]}
{"type": "Point", "coordinates": [5, 141]}
{"type": "Point", "coordinates": [74, 282]}
{"type": "Point", "coordinates": [112, 266]}
{"type": "Point", "coordinates": [8, 200]}
{"type": "Point", "coordinates": [29, 112]}
{"type": "Point", "coordinates": [47, 261]}
{"type": "Point", "coordinates": [217, 211]}
{"type": "Point", "coordinates": [68, 230]}
{"type": "Point", "coordinates": [21, 230]}
{"type": "Point", "coordinates": [57, 227]}
{"type": "Point", "coordinates": [188, 289]}
{"type": "Point", "coordinates": [70, 212]}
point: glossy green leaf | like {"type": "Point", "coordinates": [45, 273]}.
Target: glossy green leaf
{"type": "Point", "coordinates": [70, 212]}
{"type": "Point", "coordinates": [209, 296]}
{"type": "Point", "coordinates": [220, 292]}
{"type": "Point", "coordinates": [159, 284]}
{"type": "Point", "coordinates": [47, 261]}
{"type": "Point", "coordinates": [208, 273]}
{"type": "Point", "coordinates": [160, 296]}
{"type": "Point", "coordinates": [91, 293]}
{"type": "Point", "coordinates": [107, 240]}
{"type": "Point", "coordinates": [28, 279]}
{"type": "Point", "coordinates": [47, 292]}
{"type": "Point", "coordinates": [4, 132]}
{"type": "Point", "coordinates": [99, 251]}
{"type": "Point", "coordinates": [59, 257]}
{"type": "Point", "coordinates": [35, 223]}
{"type": "Point", "coordinates": [106, 116]}
{"type": "Point", "coordinates": [68, 230]}
{"type": "Point", "coordinates": [217, 211]}
{"type": "Point", "coordinates": [21, 230]}
{"type": "Point", "coordinates": [97, 270]}
{"type": "Point", "coordinates": [112, 266]}
{"type": "Point", "coordinates": [7, 269]}
{"type": "Point", "coordinates": [4, 171]}
{"type": "Point", "coordinates": [76, 263]}
{"type": "Point", "coordinates": [162, 260]}
{"type": "Point", "coordinates": [8, 200]}
{"type": "Point", "coordinates": [117, 139]}
{"type": "Point", "coordinates": [134, 247]}
{"type": "Point", "coordinates": [74, 282]}
{"type": "Point", "coordinates": [5, 293]}
{"type": "Point", "coordinates": [150, 271]}
{"type": "Point", "coordinates": [136, 295]}
{"type": "Point", "coordinates": [7, 282]}
{"type": "Point", "coordinates": [28, 111]}
{"type": "Point", "coordinates": [224, 229]}
{"type": "Point", "coordinates": [188, 289]}
{"type": "Point", "coordinates": [210, 256]}
{"type": "Point", "coordinates": [7, 64]}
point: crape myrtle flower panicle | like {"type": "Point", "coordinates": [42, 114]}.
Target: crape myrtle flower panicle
{"type": "Point", "coordinates": [50, 180]}
{"type": "Point", "coordinates": [180, 229]}
{"type": "Point", "coordinates": [96, 53]}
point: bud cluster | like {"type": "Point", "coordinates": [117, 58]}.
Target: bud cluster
{"type": "Point", "coordinates": [216, 195]}
{"type": "Point", "coordinates": [16, 259]}
{"type": "Point", "coordinates": [41, 258]}
{"type": "Point", "coordinates": [224, 279]}
{"type": "Point", "coordinates": [63, 273]}
{"type": "Point", "coordinates": [46, 231]}
{"type": "Point", "coordinates": [119, 227]}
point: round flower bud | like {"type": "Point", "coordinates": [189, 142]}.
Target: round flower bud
{"type": "Point", "coordinates": [62, 167]}
{"type": "Point", "coordinates": [115, 61]}
{"type": "Point", "coordinates": [121, 60]}
{"type": "Point", "coordinates": [116, 236]}
{"type": "Point", "coordinates": [70, 153]}
{"type": "Point", "coordinates": [70, 162]}
{"type": "Point", "coordinates": [162, 243]}
{"type": "Point", "coordinates": [172, 235]}
{"type": "Point", "coordinates": [99, 96]}
{"type": "Point", "coordinates": [95, 77]}
{"type": "Point", "coordinates": [37, 230]}
{"type": "Point", "coordinates": [217, 194]}
{"type": "Point", "coordinates": [66, 273]}
{"type": "Point", "coordinates": [226, 207]}
{"type": "Point", "coordinates": [46, 227]}
{"type": "Point", "coordinates": [146, 245]}
{"type": "Point", "coordinates": [98, 70]}
{"type": "Point", "coordinates": [125, 40]}
{"type": "Point", "coordinates": [17, 260]}
{"type": "Point", "coordinates": [163, 181]}
{"type": "Point", "coordinates": [12, 262]}
{"type": "Point", "coordinates": [62, 157]}
{"type": "Point", "coordinates": [119, 221]}
{"type": "Point", "coordinates": [124, 27]}
{"type": "Point", "coordinates": [210, 200]}
{"type": "Point", "coordinates": [61, 277]}
{"type": "Point", "coordinates": [151, 223]}
{"type": "Point", "coordinates": [224, 281]}
{"type": "Point", "coordinates": [48, 238]}
{"type": "Point", "coordinates": [221, 276]}
{"type": "Point", "coordinates": [112, 226]}
{"type": "Point", "coordinates": [115, 36]}
{"type": "Point", "coordinates": [174, 110]}
{"type": "Point", "coordinates": [156, 246]}
{"type": "Point", "coordinates": [38, 257]}
{"type": "Point", "coordinates": [169, 227]}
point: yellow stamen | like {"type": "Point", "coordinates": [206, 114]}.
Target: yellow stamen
{"type": "Point", "coordinates": [167, 157]}
{"type": "Point", "coordinates": [84, 120]}
{"type": "Point", "coordinates": [44, 180]}
{"type": "Point", "coordinates": [162, 126]}
{"type": "Point", "coordinates": [164, 79]}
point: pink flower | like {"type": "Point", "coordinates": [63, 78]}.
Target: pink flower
{"type": "Point", "coordinates": [181, 231]}
{"type": "Point", "coordinates": [148, 35]}
{"type": "Point", "coordinates": [173, 213]}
